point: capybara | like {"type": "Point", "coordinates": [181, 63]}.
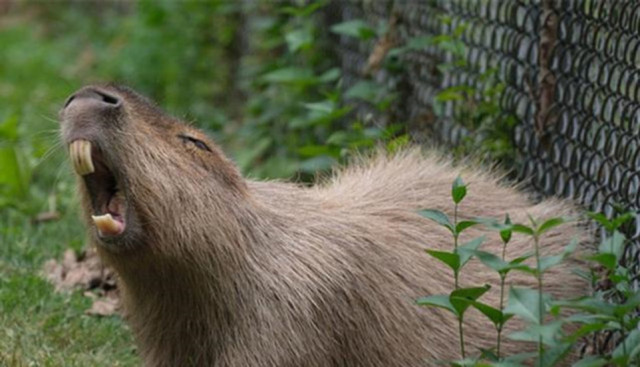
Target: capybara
{"type": "Point", "coordinates": [219, 270]}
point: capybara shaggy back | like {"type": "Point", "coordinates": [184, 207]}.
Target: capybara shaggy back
{"type": "Point", "coordinates": [218, 270]}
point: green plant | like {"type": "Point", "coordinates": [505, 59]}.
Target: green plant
{"type": "Point", "coordinates": [459, 300]}
{"type": "Point", "coordinates": [497, 316]}
{"type": "Point", "coordinates": [613, 310]}
{"type": "Point", "coordinates": [297, 122]}
{"type": "Point", "coordinates": [533, 304]}
{"type": "Point", "coordinates": [519, 298]}
{"type": "Point", "coordinates": [474, 106]}
{"type": "Point", "coordinates": [543, 314]}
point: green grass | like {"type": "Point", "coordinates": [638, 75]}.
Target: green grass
{"type": "Point", "coordinates": [39, 326]}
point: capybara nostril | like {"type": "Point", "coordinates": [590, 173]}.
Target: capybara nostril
{"type": "Point", "coordinates": [109, 98]}
{"type": "Point", "coordinates": [91, 96]}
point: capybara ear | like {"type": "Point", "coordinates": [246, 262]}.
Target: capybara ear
{"type": "Point", "coordinates": [216, 270]}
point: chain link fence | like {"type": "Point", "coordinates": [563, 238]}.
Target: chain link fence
{"type": "Point", "coordinates": [569, 76]}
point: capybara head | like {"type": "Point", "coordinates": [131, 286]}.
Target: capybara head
{"type": "Point", "coordinates": [143, 173]}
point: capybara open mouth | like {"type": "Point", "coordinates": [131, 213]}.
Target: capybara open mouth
{"type": "Point", "coordinates": [107, 198]}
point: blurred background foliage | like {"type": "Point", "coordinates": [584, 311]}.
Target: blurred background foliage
{"type": "Point", "coordinates": [258, 76]}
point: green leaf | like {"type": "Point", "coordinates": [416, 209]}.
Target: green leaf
{"type": "Point", "coordinates": [491, 261]}
{"type": "Point", "coordinates": [303, 11]}
{"type": "Point", "coordinates": [338, 138]}
{"type": "Point", "coordinates": [490, 223]}
{"type": "Point", "coordinates": [330, 75]}
{"type": "Point", "coordinates": [628, 306]}
{"type": "Point", "coordinates": [489, 355]}
{"type": "Point", "coordinates": [622, 219]}
{"type": "Point", "coordinates": [607, 260]}
{"type": "Point", "coordinates": [456, 47]}
{"type": "Point", "coordinates": [552, 356]}
{"type": "Point", "coordinates": [547, 262]}
{"type": "Point", "coordinates": [323, 107]}
{"type": "Point", "coordinates": [549, 224]}
{"type": "Point", "coordinates": [462, 225]}
{"type": "Point", "coordinates": [458, 190]}
{"type": "Point", "coordinates": [522, 258]}
{"type": "Point", "coordinates": [309, 151]}
{"type": "Point", "coordinates": [461, 298]}
{"type": "Point", "coordinates": [589, 304]}
{"type": "Point", "coordinates": [601, 219]}
{"type": "Point", "coordinates": [615, 223]}
{"type": "Point", "coordinates": [505, 234]}
{"type": "Point", "coordinates": [365, 90]}
{"type": "Point", "coordinates": [523, 268]}
{"type": "Point", "coordinates": [319, 163]}
{"type": "Point", "coordinates": [586, 330]}
{"type": "Point", "coordinates": [299, 39]}
{"type": "Point", "coordinates": [613, 244]}
{"type": "Point", "coordinates": [532, 333]}
{"type": "Point", "coordinates": [632, 345]}
{"type": "Point", "coordinates": [294, 75]}
{"type": "Point", "coordinates": [320, 113]}
{"type": "Point", "coordinates": [439, 300]}
{"type": "Point", "coordinates": [245, 157]}
{"type": "Point", "coordinates": [468, 249]}
{"type": "Point", "coordinates": [449, 95]}
{"type": "Point", "coordinates": [494, 262]}
{"type": "Point", "coordinates": [586, 318]}
{"type": "Point", "coordinates": [520, 358]}
{"type": "Point", "coordinates": [521, 228]}
{"type": "Point", "coordinates": [571, 247]}
{"type": "Point", "coordinates": [495, 315]}
{"type": "Point", "coordinates": [449, 258]}
{"type": "Point", "coordinates": [354, 28]}
{"type": "Point", "coordinates": [438, 217]}
{"type": "Point", "coordinates": [524, 302]}
{"type": "Point", "coordinates": [591, 361]}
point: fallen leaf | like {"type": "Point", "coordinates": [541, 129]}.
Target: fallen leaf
{"type": "Point", "coordinates": [87, 273]}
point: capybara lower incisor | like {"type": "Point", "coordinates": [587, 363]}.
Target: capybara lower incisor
{"type": "Point", "coordinates": [217, 270]}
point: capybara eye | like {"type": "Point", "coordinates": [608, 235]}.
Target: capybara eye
{"type": "Point", "coordinates": [198, 143]}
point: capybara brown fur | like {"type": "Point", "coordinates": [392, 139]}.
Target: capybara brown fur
{"type": "Point", "coordinates": [219, 270]}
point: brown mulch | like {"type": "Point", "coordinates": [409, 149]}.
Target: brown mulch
{"type": "Point", "coordinates": [85, 272]}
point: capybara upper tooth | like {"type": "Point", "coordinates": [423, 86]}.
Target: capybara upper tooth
{"type": "Point", "coordinates": [107, 226]}
{"type": "Point", "coordinates": [80, 154]}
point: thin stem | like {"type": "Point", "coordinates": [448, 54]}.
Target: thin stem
{"type": "Point", "coordinates": [499, 326]}
{"type": "Point", "coordinates": [536, 242]}
{"type": "Point", "coordinates": [503, 277]}
{"type": "Point", "coordinates": [504, 251]}
{"type": "Point", "coordinates": [455, 238]}
{"type": "Point", "coordinates": [455, 224]}
{"type": "Point", "coordinates": [461, 337]}
{"type": "Point", "coordinates": [455, 275]}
